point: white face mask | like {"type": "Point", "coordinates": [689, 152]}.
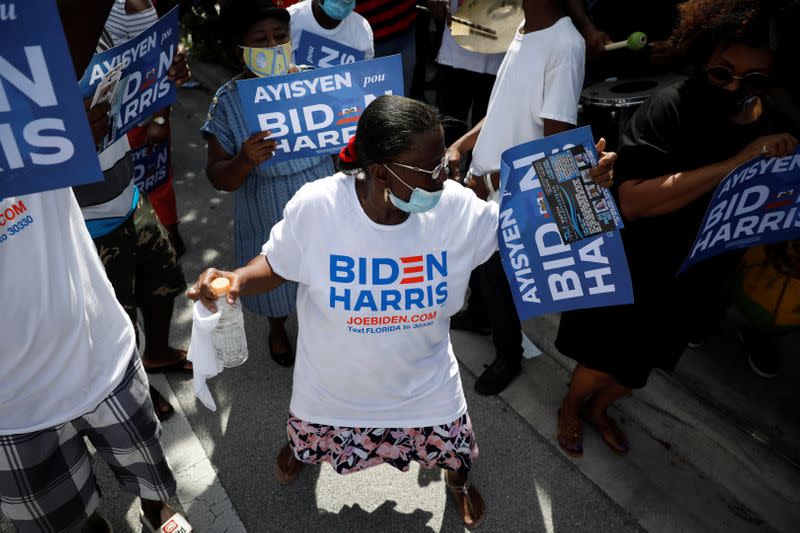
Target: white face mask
{"type": "Point", "coordinates": [265, 62]}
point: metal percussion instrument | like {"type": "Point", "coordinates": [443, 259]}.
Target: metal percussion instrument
{"type": "Point", "coordinates": [608, 106]}
{"type": "Point", "coordinates": [487, 26]}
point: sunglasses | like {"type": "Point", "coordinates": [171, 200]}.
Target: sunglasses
{"type": "Point", "coordinates": [722, 75]}
{"type": "Point", "coordinates": [436, 173]}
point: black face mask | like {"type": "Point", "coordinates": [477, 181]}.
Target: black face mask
{"type": "Point", "coordinates": [718, 101]}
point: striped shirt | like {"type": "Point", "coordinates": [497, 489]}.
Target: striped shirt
{"type": "Point", "coordinates": [123, 26]}
{"type": "Point", "coordinates": [388, 18]}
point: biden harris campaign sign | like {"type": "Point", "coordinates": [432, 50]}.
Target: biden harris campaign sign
{"type": "Point", "coordinates": [758, 203]}
{"type": "Point", "coordinates": [45, 140]}
{"type": "Point", "coordinates": [135, 76]}
{"type": "Point", "coordinates": [319, 51]}
{"type": "Point", "coordinates": [559, 232]}
{"type": "Point", "coordinates": [315, 112]}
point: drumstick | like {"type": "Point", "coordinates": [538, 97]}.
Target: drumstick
{"type": "Point", "coordinates": [468, 23]}
{"type": "Point", "coordinates": [474, 26]}
{"type": "Point", "coordinates": [636, 41]}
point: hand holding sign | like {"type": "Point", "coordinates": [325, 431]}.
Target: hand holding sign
{"type": "Point", "coordinates": [179, 70]}
{"type": "Point", "coordinates": [603, 173]}
{"type": "Point", "coordinates": [778, 145]}
{"type": "Point", "coordinates": [257, 149]}
{"type": "Point", "coordinates": [98, 118]}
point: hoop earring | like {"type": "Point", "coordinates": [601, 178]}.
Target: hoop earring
{"type": "Point", "coordinates": [386, 195]}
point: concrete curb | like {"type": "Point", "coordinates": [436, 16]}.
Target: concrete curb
{"type": "Point", "coordinates": [705, 437]}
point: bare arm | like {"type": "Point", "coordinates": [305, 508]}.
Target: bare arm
{"type": "Point", "coordinates": [666, 194]}
{"type": "Point", "coordinates": [468, 140]}
{"type": "Point", "coordinates": [255, 277]}
{"type": "Point", "coordinates": [551, 127]}
{"type": "Point", "coordinates": [228, 173]}
{"type": "Point", "coordinates": [595, 38]}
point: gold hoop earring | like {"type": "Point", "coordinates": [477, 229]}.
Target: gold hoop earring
{"type": "Point", "coordinates": [386, 195]}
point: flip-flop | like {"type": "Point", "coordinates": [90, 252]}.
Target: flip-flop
{"type": "Point", "coordinates": [158, 402]}
{"type": "Point", "coordinates": [611, 434]}
{"type": "Point", "coordinates": [178, 367]}
{"type": "Point", "coordinates": [576, 431]}
{"type": "Point", "coordinates": [148, 526]}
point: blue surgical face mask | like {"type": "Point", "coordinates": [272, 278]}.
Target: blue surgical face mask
{"type": "Point", "coordinates": [420, 201]}
{"type": "Point", "coordinates": [338, 9]}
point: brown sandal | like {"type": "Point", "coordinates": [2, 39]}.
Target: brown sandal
{"type": "Point", "coordinates": [572, 433]}
{"type": "Point", "coordinates": [286, 467]}
{"type": "Point", "coordinates": [464, 495]}
{"type": "Point", "coordinates": [610, 432]}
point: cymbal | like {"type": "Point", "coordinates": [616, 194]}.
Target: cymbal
{"type": "Point", "coordinates": [502, 17]}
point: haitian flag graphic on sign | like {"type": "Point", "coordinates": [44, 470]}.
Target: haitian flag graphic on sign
{"type": "Point", "coordinates": [549, 268]}
{"type": "Point", "coordinates": [758, 203]}
{"type": "Point", "coordinates": [315, 112]}
{"type": "Point", "coordinates": [142, 66]}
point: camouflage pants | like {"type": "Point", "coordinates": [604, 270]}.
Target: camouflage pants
{"type": "Point", "coordinates": [140, 261]}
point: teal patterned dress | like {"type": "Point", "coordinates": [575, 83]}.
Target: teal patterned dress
{"type": "Point", "coordinates": [259, 202]}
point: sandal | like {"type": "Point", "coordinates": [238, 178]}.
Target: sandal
{"type": "Point", "coordinates": [572, 433]}
{"type": "Point", "coordinates": [161, 407]}
{"type": "Point", "coordinates": [465, 496]}
{"type": "Point", "coordinates": [177, 367]}
{"type": "Point", "coordinates": [288, 473]}
{"type": "Point", "coordinates": [168, 514]}
{"type": "Point", "coordinates": [610, 432]}
{"type": "Point", "coordinates": [282, 358]}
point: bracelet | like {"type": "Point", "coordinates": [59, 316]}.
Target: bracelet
{"type": "Point", "coordinates": [487, 179]}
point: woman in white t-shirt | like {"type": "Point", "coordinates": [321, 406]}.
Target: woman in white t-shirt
{"type": "Point", "coordinates": [382, 255]}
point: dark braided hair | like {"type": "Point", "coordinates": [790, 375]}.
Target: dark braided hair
{"type": "Point", "coordinates": [387, 128]}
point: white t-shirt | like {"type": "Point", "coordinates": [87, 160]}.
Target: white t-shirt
{"type": "Point", "coordinates": [453, 55]}
{"type": "Point", "coordinates": [65, 341]}
{"type": "Point", "coordinates": [374, 303]}
{"type": "Point", "coordinates": [540, 78]}
{"type": "Point", "coordinates": [354, 31]}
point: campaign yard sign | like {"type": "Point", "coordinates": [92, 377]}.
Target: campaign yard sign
{"type": "Point", "coordinates": [547, 274]}
{"type": "Point", "coordinates": [758, 203]}
{"type": "Point", "coordinates": [143, 86]}
{"type": "Point", "coordinates": [45, 140]}
{"type": "Point", "coordinates": [315, 112]}
{"type": "Point", "coordinates": [318, 51]}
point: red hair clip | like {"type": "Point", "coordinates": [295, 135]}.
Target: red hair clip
{"type": "Point", "coordinates": [348, 153]}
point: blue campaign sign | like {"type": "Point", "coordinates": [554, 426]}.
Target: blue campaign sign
{"type": "Point", "coordinates": [135, 76]}
{"type": "Point", "coordinates": [758, 203]}
{"type": "Point", "coordinates": [45, 140]}
{"type": "Point", "coordinates": [315, 112]}
{"type": "Point", "coordinates": [547, 274]}
{"type": "Point", "coordinates": [319, 51]}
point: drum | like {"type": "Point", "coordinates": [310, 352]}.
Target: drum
{"type": "Point", "coordinates": [608, 106]}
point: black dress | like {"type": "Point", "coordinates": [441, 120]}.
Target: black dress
{"type": "Point", "coordinates": [675, 130]}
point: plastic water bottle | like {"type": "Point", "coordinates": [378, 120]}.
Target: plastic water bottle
{"type": "Point", "coordinates": [229, 339]}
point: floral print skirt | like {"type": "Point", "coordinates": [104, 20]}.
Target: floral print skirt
{"type": "Point", "coordinates": [450, 446]}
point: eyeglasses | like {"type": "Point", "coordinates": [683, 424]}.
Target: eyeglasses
{"type": "Point", "coordinates": [442, 167]}
{"type": "Point", "coordinates": [722, 75]}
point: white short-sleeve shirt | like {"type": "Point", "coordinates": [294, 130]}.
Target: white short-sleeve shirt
{"type": "Point", "coordinates": [541, 77]}
{"type": "Point", "coordinates": [354, 31]}
{"type": "Point", "coordinates": [374, 303]}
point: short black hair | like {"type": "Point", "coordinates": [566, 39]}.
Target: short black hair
{"type": "Point", "coordinates": [237, 16]}
{"type": "Point", "coordinates": [387, 127]}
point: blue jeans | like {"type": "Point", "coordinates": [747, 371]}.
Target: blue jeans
{"type": "Point", "coordinates": [404, 44]}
